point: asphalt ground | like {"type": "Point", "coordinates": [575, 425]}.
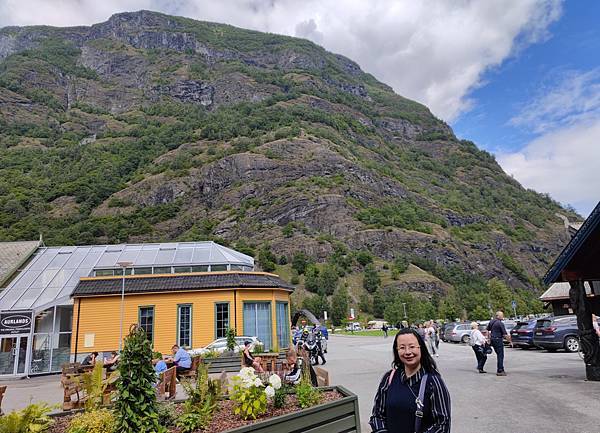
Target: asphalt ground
{"type": "Point", "coordinates": [543, 392]}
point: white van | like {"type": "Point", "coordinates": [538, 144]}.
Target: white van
{"type": "Point", "coordinates": [353, 326]}
{"type": "Point", "coordinates": [376, 324]}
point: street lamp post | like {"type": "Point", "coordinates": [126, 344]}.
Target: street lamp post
{"type": "Point", "coordinates": [123, 265]}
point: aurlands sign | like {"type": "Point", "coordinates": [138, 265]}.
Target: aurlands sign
{"type": "Point", "coordinates": [15, 322]}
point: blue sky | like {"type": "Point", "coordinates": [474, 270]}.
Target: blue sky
{"type": "Point", "coordinates": [499, 121]}
{"type": "Point", "coordinates": [520, 78]}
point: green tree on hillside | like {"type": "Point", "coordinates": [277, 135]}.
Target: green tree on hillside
{"type": "Point", "coordinates": [311, 278]}
{"type": "Point", "coordinates": [364, 257]}
{"type": "Point", "coordinates": [500, 296]}
{"type": "Point", "coordinates": [379, 302]}
{"type": "Point", "coordinates": [300, 261]}
{"type": "Point", "coordinates": [365, 303]}
{"type": "Point", "coordinates": [316, 304]}
{"type": "Point", "coordinates": [266, 259]}
{"type": "Point", "coordinates": [328, 279]}
{"type": "Point", "coordinates": [371, 280]}
{"type": "Point", "coordinates": [339, 305]}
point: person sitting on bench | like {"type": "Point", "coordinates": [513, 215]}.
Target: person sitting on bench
{"type": "Point", "coordinates": [90, 359]}
{"type": "Point", "coordinates": [112, 363]}
{"type": "Point", "coordinates": [251, 361]}
{"type": "Point", "coordinates": [181, 359]}
{"type": "Point", "coordinates": [294, 375]}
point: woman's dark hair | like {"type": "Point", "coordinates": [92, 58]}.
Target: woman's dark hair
{"type": "Point", "coordinates": [95, 354]}
{"type": "Point", "coordinates": [247, 343]}
{"type": "Point", "coordinates": [427, 361]}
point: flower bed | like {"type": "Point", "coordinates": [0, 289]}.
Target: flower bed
{"type": "Point", "coordinates": [248, 402]}
{"type": "Point", "coordinates": [338, 407]}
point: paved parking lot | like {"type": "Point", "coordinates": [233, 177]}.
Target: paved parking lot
{"type": "Point", "coordinates": [543, 392]}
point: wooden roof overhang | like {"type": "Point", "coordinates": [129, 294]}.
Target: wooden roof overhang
{"type": "Point", "coordinates": [580, 259]}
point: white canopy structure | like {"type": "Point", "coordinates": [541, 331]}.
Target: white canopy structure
{"type": "Point", "coordinates": [53, 272]}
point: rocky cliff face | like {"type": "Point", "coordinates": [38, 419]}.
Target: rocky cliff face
{"type": "Point", "coordinates": [151, 127]}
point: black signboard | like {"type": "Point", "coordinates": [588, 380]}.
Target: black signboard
{"type": "Point", "coordinates": [15, 322]}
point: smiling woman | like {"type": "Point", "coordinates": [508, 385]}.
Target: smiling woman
{"type": "Point", "coordinates": [412, 397]}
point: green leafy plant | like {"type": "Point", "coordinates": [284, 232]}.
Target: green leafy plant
{"type": "Point", "coordinates": [201, 403]}
{"type": "Point", "coordinates": [166, 414]}
{"type": "Point", "coordinates": [248, 394]}
{"type": "Point", "coordinates": [280, 397]}
{"type": "Point", "coordinates": [307, 395]}
{"type": "Point", "coordinates": [135, 406]}
{"type": "Point", "coordinates": [94, 421]}
{"type": "Point", "coordinates": [94, 387]}
{"type": "Point", "coordinates": [231, 339]}
{"type": "Point", "coordinates": [33, 419]}
{"type": "Point", "coordinates": [258, 348]}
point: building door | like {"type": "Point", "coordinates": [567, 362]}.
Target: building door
{"type": "Point", "coordinates": [13, 355]}
{"type": "Point", "coordinates": [257, 322]}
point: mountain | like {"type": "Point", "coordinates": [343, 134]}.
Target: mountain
{"type": "Point", "coordinates": [150, 127]}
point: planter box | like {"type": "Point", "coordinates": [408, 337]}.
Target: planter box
{"type": "Point", "coordinates": [340, 416]}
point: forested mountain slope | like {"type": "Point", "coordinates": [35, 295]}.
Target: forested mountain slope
{"type": "Point", "coordinates": [150, 127]}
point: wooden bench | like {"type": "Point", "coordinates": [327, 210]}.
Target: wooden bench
{"type": "Point", "coordinates": [322, 376]}
{"type": "Point", "coordinates": [167, 384]}
{"type": "Point", "coordinates": [2, 391]}
{"type": "Point", "coordinates": [72, 387]}
{"type": "Point", "coordinates": [193, 371]}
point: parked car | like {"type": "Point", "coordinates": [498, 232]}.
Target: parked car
{"type": "Point", "coordinates": [522, 334]}
{"type": "Point", "coordinates": [558, 332]}
{"type": "Point", "coordinates": [220, 345]}
{"type": "Point", "coordinates": [458, 333]}
{"type": "Point", "coordinates": [353, 326]}
{"type": "Point", "coordinates": [445, 326]}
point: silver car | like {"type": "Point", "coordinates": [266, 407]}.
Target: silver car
{"type": "Point", "coordinates": [458, 333]}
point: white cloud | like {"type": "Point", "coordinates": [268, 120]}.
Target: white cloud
{"type": "Point", "coordinates": [573, 98]}
{"type": "Point", "coordinates": [432, 51]}
{"type": "Point", "coordinates": [563, 163]}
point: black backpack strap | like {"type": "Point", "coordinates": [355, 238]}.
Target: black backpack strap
{"type": "Point", "coordinates": [420, 403]}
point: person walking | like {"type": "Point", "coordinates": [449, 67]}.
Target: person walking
{"type": "Point", "coordinates": [430, 338]}
{"type": "Point", "coordinates": [411, 397]}
{"type": "Point", "coordinates": [384, 328]}
{"type": "Point", "coordinates": [497, 333]}
{"type": "Point", "coordinates": [478, 344]}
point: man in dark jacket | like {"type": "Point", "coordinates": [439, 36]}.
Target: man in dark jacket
{"type": "Point", "coordinates": [496, 334]}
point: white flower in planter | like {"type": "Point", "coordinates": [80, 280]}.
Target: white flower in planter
{"type": "Point", "coordinates": [270, 391]}
{"type": "Point", "coordinates": [275, 381]}
{"type": "Point", "coordinates": [258, 382]}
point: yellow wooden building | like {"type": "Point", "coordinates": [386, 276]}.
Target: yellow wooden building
{"type": "Point", "coordinates": [189, 309]}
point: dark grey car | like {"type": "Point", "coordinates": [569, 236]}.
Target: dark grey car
{"type": "Point", "coordinates": [558, 332]}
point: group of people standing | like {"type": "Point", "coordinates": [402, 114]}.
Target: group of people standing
{"type": "Point", "coordinates": [482, 345]}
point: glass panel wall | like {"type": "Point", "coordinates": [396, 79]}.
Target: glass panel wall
{"type": "Point", "coordinates": [61, 349]}
{"type": "Point", "coordinates": [257, 321]}
{"type": "Point", "coordinates": [51, 346]}
{"type": "Point", "coordinates": [41, 353]}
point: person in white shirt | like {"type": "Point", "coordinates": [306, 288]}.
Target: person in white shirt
{"type": "Point", "coordinates": [478, 342]}
{"type": "Point", "coordinates": [430, 334]}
